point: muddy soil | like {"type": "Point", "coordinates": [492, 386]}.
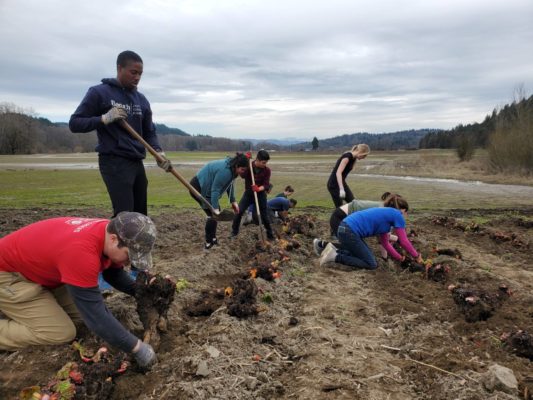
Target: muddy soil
{"type": "Point", "coordinates": [320, 333]}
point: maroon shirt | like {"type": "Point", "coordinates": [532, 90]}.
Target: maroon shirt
{"type": "Point", "coordinates": [261, 176]}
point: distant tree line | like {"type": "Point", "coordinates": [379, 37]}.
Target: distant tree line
{"type": "Point", "coordinates": [377, 141]}
{"type": "Point", "coordinates": [23, 133]}
{"type": "Point", "coordinates": [507, 134]}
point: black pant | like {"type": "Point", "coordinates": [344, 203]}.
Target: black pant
{"type": "Point", "coordinates": [335, 220]}
{"type": "Point", "coordinates": [211, 223]}
{"type": "Point", "coordinates": [126, 183]}
{"type": "Point", "coordinates": [247, 199]}
{"type": "Point", "coordinates": [334, 191]}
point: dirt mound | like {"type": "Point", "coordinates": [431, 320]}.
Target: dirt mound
{"type": "Point", "coordinates": [319, 332]}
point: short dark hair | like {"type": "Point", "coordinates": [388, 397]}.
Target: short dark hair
{"type": "Point", "coordinates": [126, 56]}
{"type": "Point", "coordinates": [289, 188]}
{"type": "Point", "coordinates": [293, 202]}
{"type": "Point", "coordinates": [262, 155]}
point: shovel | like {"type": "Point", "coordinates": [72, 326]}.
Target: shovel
{"type": "Point", "coordinates": [256, 202]}
{"type": "Point", "coordinates": [225, 215]}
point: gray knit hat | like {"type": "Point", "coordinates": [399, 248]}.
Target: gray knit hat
{"type": "Point", "coordinates": [138, 232]}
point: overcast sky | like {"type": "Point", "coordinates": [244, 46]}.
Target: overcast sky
{"type": "Point", "coordinates": [275, 68]}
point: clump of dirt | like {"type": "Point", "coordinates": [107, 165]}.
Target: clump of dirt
{"type": "Point", "coordinates": [93, 378]}
{"type": "Point", "coordinates": [478, 304]}
{"type": "Point", "coordinates": [300, 224]}
{"type": "Point", "coordinates": [154, 295]}
{"type": "Point", "coordinates": [242, 302]}
{"type": "Point", "coordinates": [520, 343]}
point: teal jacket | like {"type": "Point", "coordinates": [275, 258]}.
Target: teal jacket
{"type": "Point", "coordinates": [215, 178]}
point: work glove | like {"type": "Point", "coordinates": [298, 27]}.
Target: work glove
{"type": "Point", "coordinates": [235, 207]}
{"type": "Point", "coordinates": [248, 154]}
{"type": "Point", "coordinates": [165, 164]}
{"type": "Point", "coordinates": [255, 188]}
{"type": "Point", "coordinates": [114, 114]}
{"type": "Point", "coordinates": [145, 355]}
{"type": "Point", "coordinates": [342, 194]}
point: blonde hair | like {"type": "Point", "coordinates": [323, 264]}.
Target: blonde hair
{"type": "Point", "coordinates": [362, 149]}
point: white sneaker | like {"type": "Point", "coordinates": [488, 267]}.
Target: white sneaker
{"type": "Point", "coordinates": [328, 254]}
{"type": "Point", "coordinates": [318, 246]}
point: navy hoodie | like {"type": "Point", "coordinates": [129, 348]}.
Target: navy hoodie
{"type": "Point", "coordinates": [112, 138]}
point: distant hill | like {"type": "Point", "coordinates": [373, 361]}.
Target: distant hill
{"type": "Point", "coordinates": [377, 141]}
{"type": "Point", "coordinates": [162, 129]}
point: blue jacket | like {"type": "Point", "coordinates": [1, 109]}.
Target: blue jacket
{"type": "Point", "coordinates": [112, 139]}
{"type": "Point", "coordinates": [374, 221]}
{"type": "Point", "coordinates": [215, 178]}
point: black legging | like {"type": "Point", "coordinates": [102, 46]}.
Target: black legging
{"type": "Point", "coordinates": [211, 223]}
{"type": "Point", "coordinates": [335, 220]}
{"type": "Point", "coordinates": [334, 192]}
{"type": "Point", "coordinates": [247, 199]}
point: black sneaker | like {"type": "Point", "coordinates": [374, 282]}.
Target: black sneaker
{"type": "Point", "coordinates": [208, 245]}
{"type": "Point", "coordinates": [214, 241]}
{"type": "Point", "coordinates": [233, 235]}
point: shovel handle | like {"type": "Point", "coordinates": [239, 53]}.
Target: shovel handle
{"type": "Point", "coordinates": [256, 202]}
{"type": "Point", "coordinates": [173, 171]}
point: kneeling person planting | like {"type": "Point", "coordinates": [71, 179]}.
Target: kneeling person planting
{"type": "Point", "coordinates": [49, 280]}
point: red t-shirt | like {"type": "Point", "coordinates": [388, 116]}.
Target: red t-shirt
{"type": "Point", "coordinates": [57, 251]}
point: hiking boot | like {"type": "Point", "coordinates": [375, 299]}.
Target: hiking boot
{"type": "Point", "coordinates": [328, 255]}
{"type": "Point", "coordinates": [318, 246]}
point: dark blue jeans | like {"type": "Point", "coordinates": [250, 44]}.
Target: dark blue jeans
{"type": "Point", "coordinates": [354, 251]}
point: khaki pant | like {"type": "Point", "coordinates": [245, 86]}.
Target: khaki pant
{"type": "Point", "coordinates": [33, 314]}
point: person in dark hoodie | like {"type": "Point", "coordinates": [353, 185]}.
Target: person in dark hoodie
{"type": "Point", "coordinates": [120, 156]}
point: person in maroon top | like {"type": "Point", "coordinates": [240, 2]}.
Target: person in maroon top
{"type": "Point", "coordinates": [262, 184]}
{"type": "Point", "coordinates": [49, 280]}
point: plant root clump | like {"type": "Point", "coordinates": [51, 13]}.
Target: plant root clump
{"type": "Point", "coordinates": [242, 302]}
{"type": "Point", "coordinates": [154, 295]}
{"type": "Point", "coordinates": [300, 224]}
{"type": "Point", "coordinates": [476, 304]}
{"type": "Point", "coordinates": [519, 343]}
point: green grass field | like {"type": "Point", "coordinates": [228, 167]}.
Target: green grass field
{"type": "Point", "coordinates": [26, 182]}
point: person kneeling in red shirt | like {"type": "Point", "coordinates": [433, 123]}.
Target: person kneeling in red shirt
{"type": "Point", "coordinates": [49, 280]}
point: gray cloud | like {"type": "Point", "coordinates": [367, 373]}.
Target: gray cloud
{"type": "Point", "coordinates": [243, 68]}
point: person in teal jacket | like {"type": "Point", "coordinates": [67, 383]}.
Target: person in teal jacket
{"type": "Point", "coordinates": [212, 181]}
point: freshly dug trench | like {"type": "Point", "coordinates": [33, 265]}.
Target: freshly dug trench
{"type": "Point", "coordinates": [205, 304]}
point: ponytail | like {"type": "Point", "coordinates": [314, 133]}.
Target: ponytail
{"type": "Point", "coordinates": [362, 149]}
{"type": "Point", "coordinates": [395, 201]}
{"type": "Point", "coordinates": [239, 161]}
